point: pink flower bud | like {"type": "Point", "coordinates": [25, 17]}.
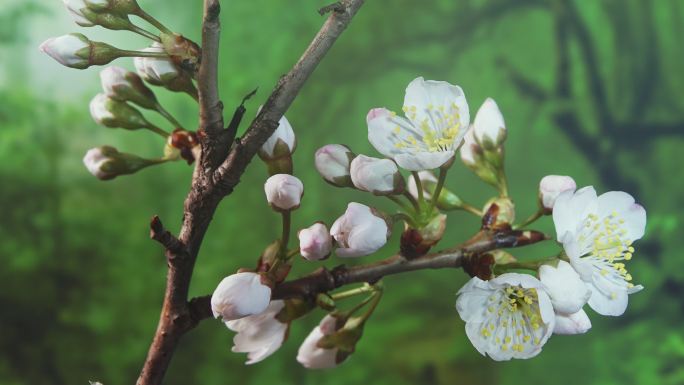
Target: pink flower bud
{"type": "Point", "coordinates": [281, 143]}
{"type": "Point", "coordinates": [551, 186]}
{"type": "Point", "coordinates": [313, 357]}
{"type": "Point", "coordinates": [240, 295]}
{"type": "Point", "coordinates": [333, 162]}
{"type": "Point", "coordinates": [284, 192]}
{"type": "Point", "coordinates": [70, 50]}
{"type": "Point", "coordinates": [378, 176]}
{"type": "Point", "coordinates": [315, 242]}
{"type": "Point", "coordinates": [359, 231]}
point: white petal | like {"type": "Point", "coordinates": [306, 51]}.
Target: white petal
{"type": "Point", "coordinates": [424, 160]}
{"type": "Point", "coordinates": [623, 204]}
{"type": "Point", "coordinates": [576, 323]}
{"type": "Point", "coordinates": [284, 133]}
{"type": "Point", "coordinates": [374, 175]}
{"type": "Point", "coordinates": [259, 335]}
{"type": "Point", "coordinates": [427, 95]}
{"type": "Point", "coordinates": [571, 209]}
{"type": "Point", "coordinates": [385, 130]}
{"type": "Point", "coordinates": [564, 286]}
{"type": "Point", "coordinates": [240, 295]}
{"type": "Point", "coordinates": [472, 300]}
{"type": "Point", "coordinates": [313, 357]}
{"type": "Point", "coordinates": [607, 298]}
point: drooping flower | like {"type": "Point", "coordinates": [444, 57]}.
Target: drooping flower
{"type": "Point", "coordinates": [284, 192]}
{"type": "Point", "coordinates": [310, 355]}
{"type": "Point", "coordinates": [568, 295]}
{"type": "Point", "coordinates": [378, 176]}
{"type": "Point", "coordinates": [437, 119]}
{"type": "Point", "coordinates": [510, 316]}
{"type": "Point", "coordinates": [489, 129]}
{"type": "Point", "coordinates": [333, 162]}
{"type": "Point", "coordinates": [551, 186]}
{"type": "Point", "coordinates": [240, 295]}
{"type": "Point", "coordinates": [315, 242]}
{"type": "Point", "coordinates": [259, 335]}
{"type": "Point", "coordinates": [597, 235]}
{"type": "Point", "coordinates": [359, 231]}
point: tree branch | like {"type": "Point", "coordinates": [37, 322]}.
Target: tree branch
{"type": "Point", "coordinates": [178, 315]}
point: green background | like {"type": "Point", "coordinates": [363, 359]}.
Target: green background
{"type": "Point", "coordinates": [592, 89]}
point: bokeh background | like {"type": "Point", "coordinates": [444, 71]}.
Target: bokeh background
{"type": "Point", "coordinates": [592, 89]}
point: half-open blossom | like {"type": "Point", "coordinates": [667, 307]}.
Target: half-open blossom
{"type": "Point", "coordinates": [259, 335]}
{"type": "Point", "coordinates": [281, 143]}
{"type": "Point", "coordinates": [332, 162]}
{"type": "Point", "coordinates": [378, 176]}
{"type": "Point", "coordinates": [510, 316]}
{"type": "Point", "coordinates": [310, 355]}
{"type": "Point", "coordinates": [70, 50]}
{"type": "Point", "coordinates": [489, 128]}
{"type": "Point", "coordinates": [597, 234]}
{"type": "Point", "coordinates": [315, 242]}
{"type": "Point", "coordinates": [359, 231]}
{"type": "Point", "coordinates": [437, 118]}
{"type": "Point", "coordinates": [240, 295]}
{"type": "Point", "coordinates": [551, 186]}
{"type": "Point", "coordinates": [284, 192]}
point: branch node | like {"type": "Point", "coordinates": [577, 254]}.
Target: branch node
{"type": "Point", "coordinates": [161, 235]}
{"type": "Point", "coordinates": [334, 7]}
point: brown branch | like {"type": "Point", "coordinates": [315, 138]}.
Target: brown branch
{"type": "Point", "coordinates": [228, 174]}
{"type": "Point", "coordinates": [324, 280]}
{"type": "Point", "coordinates": [178, 315]}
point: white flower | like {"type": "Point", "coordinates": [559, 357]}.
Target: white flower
{"type": "Point", "coordinates": [259, 335]}
{"type": "Point", "coordinates": [315, 242]}
{"type": "Point", "coordinates": [359, 232]}
{"type": "Point", "coordinates": [157, 71]}
{"type": "Point", "coordinates": [379, 176]}
{"type": "Point", "coordinates": [510, 316]}
{"type": "Point", "coordinates": [437, 118]}
{"type": "Point", "coordinates": [75, 8]}
{"type": "Point", "coordinates": [564, 286]}
{"type": "Point", "coordinates": [425, 176]}
{"type": "Point", "coordinates": [489, 128]}
{"type": "Point", "coordinates": [313, 357]}
{"type": "Point", "coordinates": [597, 235]}
{"type": "Point", "coordinates": [576, 323]}
{"type": "Point", "coordinates": [551, 186]}
{"type": "Point", "coordinates": [68, 50]}
{"type": "Point", "coordinates": [333, 162]}
{"type": "Point", "coordinates": [95, 159]}
{"type": "Point", "coordinates": [284, 191]}
{"type": "Point", "coordinates": [281, 143]}
{"type": "Point", "coordinates": [240, 295]}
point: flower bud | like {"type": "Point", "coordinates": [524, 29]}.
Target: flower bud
{"type": "Point", "coordinates": [99, 12]}
{"type": "Point", "coordinates": [115, 114]}
{"type": "Point", "coordinates": [474, 158]}
{"type": "Point", "coordinates": [126, 86]}
{"type": "Point", "coordinates": [277, 151]}
{"type": "Point", "coordinates": [122, 7]}
{"type": "Point", "coordinates": [240, 295]}
{"type": "Point", "coordinates": [163, 72]}
{"type": "Point", "coordinates": [315, 242]}
{"type": "Point", "coordinates": [360, 231]}
{"type": "Point", "coordinates": [333, 162]}
{"type": "Point", "coordinates": [550, 187]}
{"type": "Point", "coordinates": [564, 286]}
{"type": "Point", "coordinates": [489, 128]}
{"type": "Point", "coordinates": [107, 162]}
{"type": "Point", "coordinates": [447, 200]}
{"type": "Point", "coordinates": [76, 51]}
{"type": "Point", "coordinates": [378, 176]}
{"type": "Point", "coordinates": [499, 211]}
{"type": "Point", "coordinates": [182, 144]}
{"type": "Point", "coordinates": [284, 192]}
{"type": "Point", "coordinates": [259, 335]}
{"type": "Point", "coordinates": [310, 355]}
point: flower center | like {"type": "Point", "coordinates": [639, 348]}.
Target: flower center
{"type": "Point", "coordinates": [515, 321]}
{"type": "Point", "coordinates": [439, 129]}
{"type": "Point", "coordinates": [607, 244]}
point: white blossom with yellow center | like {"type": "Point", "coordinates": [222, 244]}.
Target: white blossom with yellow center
{"type": "Point", "coordinates": [510, 316]}
{"type": "Point", "coordinates": [436, 121]}
{"type": "Point", "coordinates": [597, 233]}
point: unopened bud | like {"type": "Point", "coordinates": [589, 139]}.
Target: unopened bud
{"type": "Point", "coordinates": [76, 8]}
{"type": "Point", "coordinates": [489, 127]}
{"type": "Point", "coordinates": [163, 72]}
{"type": "Point", "coordinates": [240, 295]}
{"type": "Point", "coordinates": [501, 210]}
{"type": "Point", "coordinates": [474, 157]}
{"type": "Point", "coordinates": [126, 86]}
{"type": "Point", "coordinates": [550, 187]}
{"type": "Point", "coordinates": [313, 356]}
{"type": "Point", "coordinates": [378, 176]}
{"type": "Point", "coordinates": [333, 162]}
{"type": "Point", "coordinates": [112, 113]}
{"type": "Point", "coordinates": [76, 51]}
{"type": "Point", "coordinates": [284, 192]}
{"type": "Point", "coordinates": [107, 162]}
{"type": "Point", "coordinates": [277, 151]}
{"type": "Point", "coordinates": [360, 231]}
{"type": "Point", "coordinates": [315, 242]}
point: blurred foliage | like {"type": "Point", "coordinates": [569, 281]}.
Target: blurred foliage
{"type": "Point", "coordinates": [588, 89]}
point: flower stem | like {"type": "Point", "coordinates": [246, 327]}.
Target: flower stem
{"type": "Point", "coordinates": [158, 130]}
{"type": "Point", "coordinates": [419, 187]}
{"type": "Point", "coordinates": [148, 18]}
{"type": "Point", "coordinates": [287, 221]}
{"type": "Point", "coordinates": [414, 202]}
{"type": "Point", "coordinates": [163, 112]}
{"type": "Point", "coordinates": [352, 292]}
{"type": "Point", "coordinates": [399, 202]}
{"type": "Point", "coordinates": [144, 33]}
{"type": "Point", "coordinates": [129, 53]}
{"type": "Point", "coordinates": [471, 209]}
{"type": "Point", "coordinates": [529, 220]}
{"type": "Point", "coordinates": [377, 295]}
{"type": "Point", "coordinates": [438, 189]}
